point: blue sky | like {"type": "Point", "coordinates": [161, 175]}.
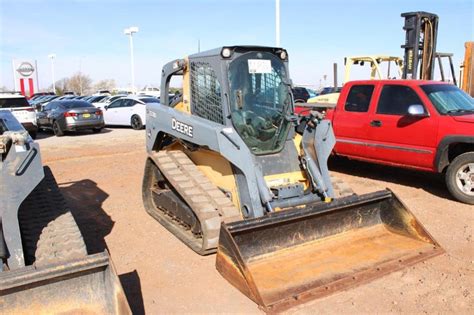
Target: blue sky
{"type": "Point", "coordinates": [88, 34]}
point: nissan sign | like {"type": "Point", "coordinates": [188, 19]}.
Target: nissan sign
{"type": "Point", "coordinates": [25, 69]}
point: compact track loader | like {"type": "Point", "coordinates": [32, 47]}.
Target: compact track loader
{"type": "Point", "coordinates": [231, 169]}
{"type": "Point", "coordinates": [45, 265]}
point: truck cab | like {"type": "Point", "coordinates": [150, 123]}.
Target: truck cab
{"type": "Point", "coordinates": [424, 125]}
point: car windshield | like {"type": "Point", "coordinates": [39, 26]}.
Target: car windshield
{"type": "Point", "coordinates": [449, 99]}
{"type": "Point", "coordinates": [13, 102]}
{"type": "Point", "coordinates": [260, 101]}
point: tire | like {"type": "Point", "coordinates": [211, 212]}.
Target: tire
{"type": "Point", "coordinates": [48, 229]}
{"type": "Point", "coordinates": [96, 130]}
{"type": "Point", "coordinates": [460, 178]}
{"type": "Point", "coordinates": [60, 240]}
{"type": "Point", "coordinates": [136, 122]}
{"type": "Point", "coordinates": [33, 134]}
{"type": "Point", "coordinates": [58, 132]}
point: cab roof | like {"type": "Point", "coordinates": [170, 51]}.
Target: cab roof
{"type": "Point", "coordinates": [217, 51]}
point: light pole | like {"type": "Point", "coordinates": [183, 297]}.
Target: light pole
{"type": "Point", "coordinates": [277, 22]}
{"type": "Point", "coordinates": [129, 32]}
{"type": "Point", "coordinates": [52, 56]}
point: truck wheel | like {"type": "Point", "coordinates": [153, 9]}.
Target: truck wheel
{"type": "Point", "coordinates": [58, 132]}
{"type": "Point", "coordinates": [460, 178]}
{"type": "Point", "coordinates": [136, 122]}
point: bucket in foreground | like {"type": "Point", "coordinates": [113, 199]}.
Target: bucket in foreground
{"type": "Point", "coordinates": [296, 255]}
{"type": "Point", "coordinates": [85, 286]}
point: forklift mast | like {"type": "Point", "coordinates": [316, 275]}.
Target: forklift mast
{"type": "Point", "coordinates": [420, 45]}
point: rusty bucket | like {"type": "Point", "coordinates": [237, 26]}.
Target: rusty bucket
{"type": "Point", "coordinates": [292, 256]}
{"type": "Point", "coordinates": [84, 286]}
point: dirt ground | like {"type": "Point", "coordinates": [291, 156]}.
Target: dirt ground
{"type": "Point", "coordinates": [100, 176]}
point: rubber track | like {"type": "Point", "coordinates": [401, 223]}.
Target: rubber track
{"type": "Point", "coordinates": [49, 231]}
{"type": "Point", "coordinates": [210, 205]}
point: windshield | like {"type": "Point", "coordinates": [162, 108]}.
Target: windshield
{"type": "Point", "coordinates": [13, 102]}
{"type": "Point", "coordinates": [449, 99]}
{"type": "Point", "coordinates": [260, 101]}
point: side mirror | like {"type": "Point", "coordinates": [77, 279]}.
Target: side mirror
{"type": "Point", "coordinates": [106, 107]}
{"type": "Point", "coordinates": [417, 110]}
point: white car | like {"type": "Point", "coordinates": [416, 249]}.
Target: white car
{"type": "Point", "coordinates": [107, 100]}
{"type": "Point", "coordinates": [128, 111]}
{"type": "Point", "coordinates": [21, 109]}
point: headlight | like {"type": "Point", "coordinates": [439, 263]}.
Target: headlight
{"type": "Point", "coordinates": [226, 52]}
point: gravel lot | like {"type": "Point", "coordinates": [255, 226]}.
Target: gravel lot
{"type": "Point", "coordinates": [100, 176]}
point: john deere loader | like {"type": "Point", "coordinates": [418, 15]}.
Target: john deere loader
{"type": "Point", "coordinates": [45, 268]}
{"type": "Point", "coordinates": [231, 169]}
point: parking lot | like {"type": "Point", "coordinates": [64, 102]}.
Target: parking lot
{"type": "Point", "coordinates": [100, 176]}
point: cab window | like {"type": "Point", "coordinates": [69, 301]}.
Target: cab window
{"type": "Point", "coordinates": [395, 100]}
{"type": "Point", "coordinates": [359, 98]}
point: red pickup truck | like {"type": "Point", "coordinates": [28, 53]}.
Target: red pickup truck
{"type": "Point", "coordinates": [424, 125]}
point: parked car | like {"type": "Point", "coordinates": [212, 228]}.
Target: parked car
{"type": "Point", "coordinates": [66, 97]}
{"type": "Point", "coordinates": [21, 109]}
{"type": "Point", "coordinates": [102, 92]}
{"type": "Point", "coordinates": [36, 95]}
{"type": "Point", "coordinates": [128, 111]}
{"type": "Point", "coordinates": [107, 100]}
{"type": "Point", "coordinates": [330, 89]}
{"type": "Point", "coordinates": [95, 98]}
{"type": "Point", "coordinates": [38, 103]}
{"type": "Point", "coordinates": [300, 94]}
{"type": "Point", "coordinates": [424, 125]}
{"type": "Point", "coordinates": [70, 115]}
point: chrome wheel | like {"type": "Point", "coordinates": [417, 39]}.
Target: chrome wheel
{"type": "Point", "coordinates": [465, 179]}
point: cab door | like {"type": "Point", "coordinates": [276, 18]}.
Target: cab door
{"type": "Point", "coordinates": [395, 136]}
{"type": "Point", "coordinates": [351, 120]}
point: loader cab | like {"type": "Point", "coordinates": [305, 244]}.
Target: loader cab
{"type": "Point", "coordinates": [243, 87]}
{"type": "Point", "coordinates": [260, 101]}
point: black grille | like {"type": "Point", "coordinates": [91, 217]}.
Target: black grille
{"type": "Point", "coordinates": [205, 93]}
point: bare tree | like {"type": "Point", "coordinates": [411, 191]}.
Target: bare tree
{"type": "Point", "coordinates": [80, 83]}
{"type": "Point", "coordinates": [61, 85]}
{"type": "Point", "coordinates": [107, 84]}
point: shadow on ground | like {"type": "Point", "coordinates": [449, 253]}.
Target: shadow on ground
{"type": "Point", "coordinates": [85, 201]}
{"type": "Point", "coordinates": [429, 182]}
{"type": "Point", "coordinates": [132, 287]}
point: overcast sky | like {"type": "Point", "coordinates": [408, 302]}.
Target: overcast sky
{"type": "Point", "coordinates": [88, 35]}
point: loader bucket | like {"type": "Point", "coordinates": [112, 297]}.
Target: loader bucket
{"type": "Point", "coordinates": [85, 286]}
{"type": "Point", "coordinates": [292, 256]}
